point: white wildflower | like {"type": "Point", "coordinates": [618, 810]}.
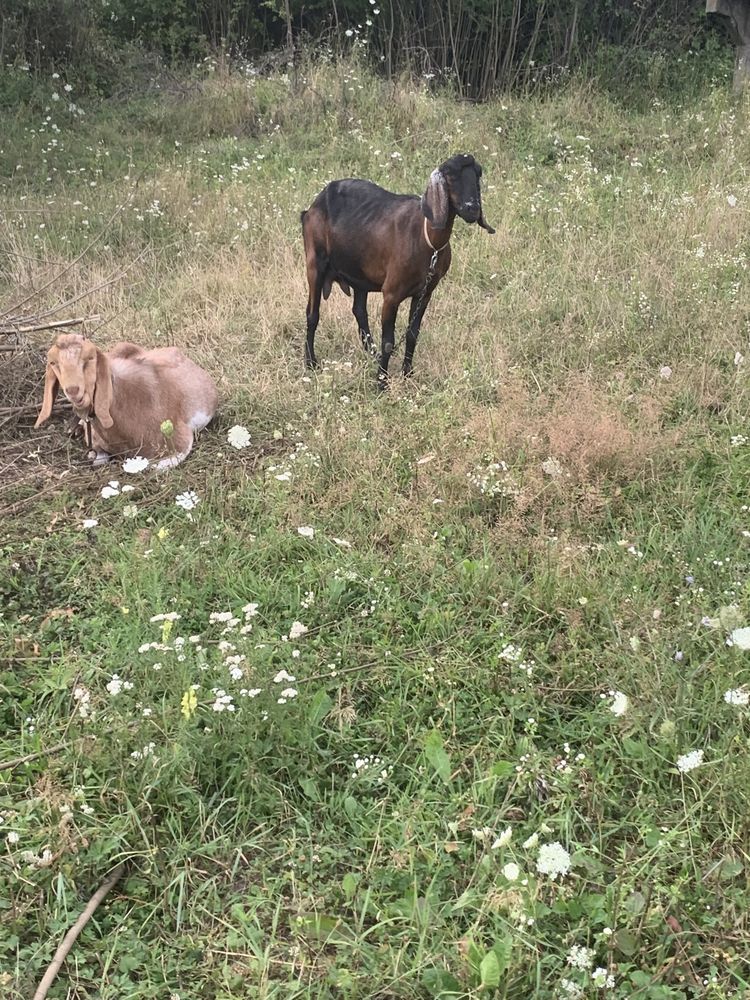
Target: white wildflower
{"type": "Point", "coordinates": [282, 676]}
{"type": "Point", "coordinates": [306, 531]}
{"type": "Point", "coordinates": [739, 696]}
{"type": "Point", "coordinates": [739, 359]}
{"type": "Point", "coordinates": [504, 839]}
{"type": "Point", "coordinates": [250, 610]}
{"type": "Point", "coordinates": [731, 200]}
{"type": "Point", "coordinates": [112, 489]}
{"type": "Point", "coordinates": [602, 979]}
{"type": "Point", "coordinates": [665, 372]}
{"type": "Point", "coordinates": [297, 630]}
{"type": "Point", "coordinates": [620, 703]}
{"type": "Point", "coordinates": [13, 837]}
{"type": "Point", "coordinates": [82, 697]}
{"type": "Point", "coordinates": [146, 751]}
{"type": "Point", "coordinates": [570, 990]}
{"type": "Point", "coordinates": [484, 834]}
{"type": "Point", "coordinates": [342, 543]}
{"type": "Point", "coordinates": [511, 871]}
{"type": "Point", "coordinates": [44, 860]}
{"type": "Point", "coordinates": [238, 436]}
{"type": "Point", "coordinates": [130, 510]}
{"type": "Point", "coordinates": [552, 467]}
{"type": "Point", "coordinates": [580, 958]}
{"type": "Point", "coordinates": [530, 844]}
{"type": "Point", "coordinates": [89, 522]}
{"type": "Point", "coordinates": [740, 638]}
{"type": "Point", "coordinates": [187, 500]}
{"type": "Point", "coordinates": [117, 684]}
{"type": "Point", "coordinates": [553, 860]}
{"type": "Point", "coordinates": [223, 701]}
{"type": "Point", "coordinates": [133, 465]}
{"type": "Point", "coordinates": [289, 693]}
{"type": "Point", "coordinates": [689, 761]}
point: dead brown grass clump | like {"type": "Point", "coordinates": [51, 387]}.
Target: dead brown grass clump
{"type": "Point", "coordinates": [570, 454]}
{"type": "Point", "coordinates": [593, 439]}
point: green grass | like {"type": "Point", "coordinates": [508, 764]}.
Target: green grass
{"type": "Point", "coordinates": [470, 639]}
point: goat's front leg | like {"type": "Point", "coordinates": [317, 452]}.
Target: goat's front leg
{"type": "Point", "coordinates": [363, 322]}
{"type": "Point", "coordinates": [416, 312]}
{"type": "Point", "coordinates": [390, 311]}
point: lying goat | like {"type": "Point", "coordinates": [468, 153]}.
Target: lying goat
{"type": "Point", "coordinates": [123, 397]}
{"type": "Point", "coordinates": [371, 240]}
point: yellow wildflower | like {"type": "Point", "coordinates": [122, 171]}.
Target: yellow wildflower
{"type": "Point", "coordinates": [189, 703]}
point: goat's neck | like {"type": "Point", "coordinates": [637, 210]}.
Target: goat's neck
{"type": "Point", "coordinates": [440, 238]}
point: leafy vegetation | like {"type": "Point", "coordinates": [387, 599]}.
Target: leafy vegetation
{"type": "Point", "coordinates": [391, 702]}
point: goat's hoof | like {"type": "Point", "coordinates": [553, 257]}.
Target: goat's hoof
{"type": "Point", "coordinates": [311, 363]}
{"type": "Point", "coordinates": [384, 382]}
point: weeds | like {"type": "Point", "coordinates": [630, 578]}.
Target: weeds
{"type": "Point", "coordinates": [435, 694]}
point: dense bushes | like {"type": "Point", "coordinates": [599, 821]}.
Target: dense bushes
{"type": "Point", "coordinates": [479, 45]}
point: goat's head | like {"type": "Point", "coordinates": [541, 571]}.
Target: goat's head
{"type": "Point", "coordinates": [83, 374]}
{"type": "Point", "coordinates": [455, 184]}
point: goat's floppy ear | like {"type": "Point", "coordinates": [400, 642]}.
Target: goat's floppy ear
{"type": "Point", "coordinates": [481, 221]}
{"type": "Point", "coordinates": [435, 201]}
{"type": "Point", "coordinates": [50, 389]}
{"type": "Point", "coordinates": [102, 401]}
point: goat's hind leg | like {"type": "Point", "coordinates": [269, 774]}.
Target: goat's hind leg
{"type": "Point", "coordinates": [183, 442]}
{"type": "Point", "coordinates": [316, 272]}
{"type": "Point", "coordinates": [363, 322]}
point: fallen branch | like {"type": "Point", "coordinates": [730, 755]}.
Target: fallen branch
{"type": "Point", "coordinates": [70, 938]}
{"type": "Point", "coordinates": [8, 764]}
{"type": "Point", "coordinates": [11, 328]}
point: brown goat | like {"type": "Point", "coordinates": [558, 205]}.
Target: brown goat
{"type": "Point", "coordinates": [371, 240]}
{"type": "Point", "coordinates": [124, 396]}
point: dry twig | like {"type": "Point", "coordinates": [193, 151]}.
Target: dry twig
{"type": "Point", "coordinates": [70, 938]}
{"type": "Point", "coordinates": [8, 764]}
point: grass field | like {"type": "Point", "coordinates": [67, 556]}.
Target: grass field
{"type": "Point", "coordinates": [429, 746]}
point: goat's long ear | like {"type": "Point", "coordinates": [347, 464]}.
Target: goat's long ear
{"type": "Point", "coordinates": [435, 201]}
{"type": "Point", "coordinates": [50, 391]}
{"type": "Point", "coordinates": [103, 390]}
{"type": "Point", "coordinates": [481, 221]}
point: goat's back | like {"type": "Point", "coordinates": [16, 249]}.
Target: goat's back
{"type": "Point", "coordinates": [168, 380]}
{"type": "Point", "coordinates": [362, 202]}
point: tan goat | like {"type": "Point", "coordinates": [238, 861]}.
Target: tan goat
{"type": "Point", "coordinates": [122, 398]}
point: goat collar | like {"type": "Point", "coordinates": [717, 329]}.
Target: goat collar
{"type": "Point", "coordinates": [85, 422]}
{"type": "Point", "coordinates": [430, 243]}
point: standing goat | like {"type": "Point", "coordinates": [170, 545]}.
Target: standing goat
{"type": "Point", "coordinates": [371, 240]}
{"type": "Point", "coordinates": [123, 397]}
